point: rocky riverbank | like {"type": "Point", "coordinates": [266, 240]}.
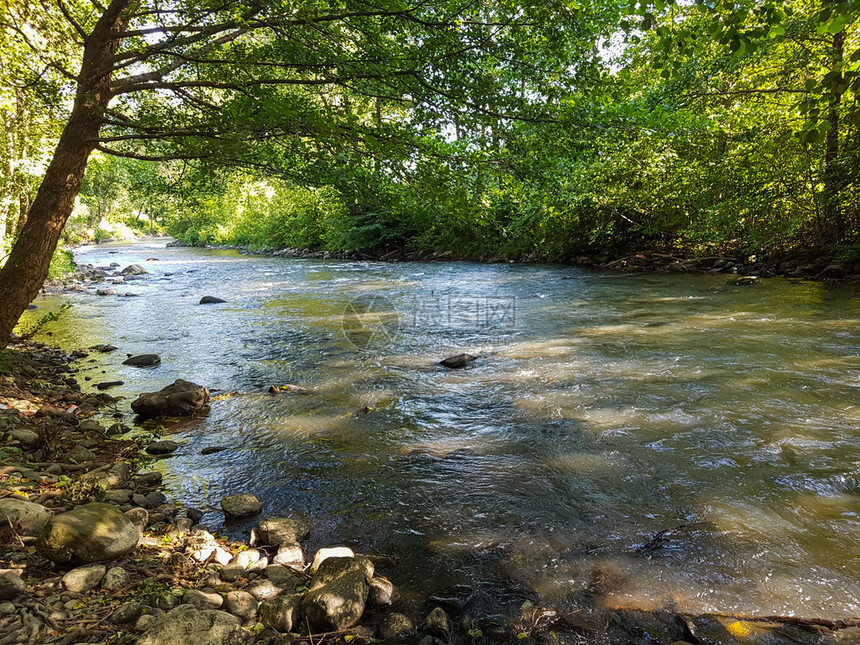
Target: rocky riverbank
{"type": "Point", "coordinates": [95, 551]}
{"type": "Point", "coordinates": [803, 264]}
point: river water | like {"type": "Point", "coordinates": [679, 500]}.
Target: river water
{"type": "Point", "coordinates": [603, 409]}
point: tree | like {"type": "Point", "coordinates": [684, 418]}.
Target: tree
{"type": "Point", "coordinates": [274, 85]}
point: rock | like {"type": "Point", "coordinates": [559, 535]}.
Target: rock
{"type": "Point", "coordinates": [186, 624]}
{"type": "Point", "coordinates": [284, 577]}
{"type": "Point", "coordinates": [106, 292]}
{"type": "Point", "coordinates": [27, 518]}
{"type": "Point", "coordinates": [90, 425]}
{"type": "Point", "coordinates": [241, 604]}
{"type": "Point", "coordinates": [143, 360]}
{"type": "Point", "coordinates": [145, 622]}
{"type": "Point", "coordinates": [210, 300]}
{"type": "Point", "coordinates": [232, 572]}
{"type": "Point", "coordinates": [246, 558]}
{"type": "Point", "coordinates": [119, 496]}
{"type": "Point", "coordinates": [458, 361]}
{"type": "Point", "coordinates": [139, 517]}
{"type": "Point", "coordinates": [134, 269]}
{"type": "Point", "coordinates": [128, 612]}
{"type": "Point", "coordinates": [11, 585]}
{"type": "Point", "coordinates": [24, 436]}
{"type": "Point", "coordinates": [155, 499]}
{"type": "Point", "coordinates": [200, 545]}
{"type": "Point", "coordinates": [90, 533]}
{"type": "Point", "coordinates": [117, 476]}
{"type": "Point", "coordinates": [84, 578]}
{"type": "Point", "coordinates": [164, 447]}
{"type": "Point", "coordinates": [209, 450]}
{"type": "Point", "coordinates": [79, 455]}
{"type": "Point", "coordinates": [240, 505]}
{"type": "Point", "coordinates": [833, 271]}
{"type": "Point", "coordinates": [115, 429]}
{"type": "Point", "coordinates": [107, 384]}
{"type": "Point", "coordinates": [337, 594]}
{"type": "Point", "coordinates": [290, 555]}
{"type": "Point", "coordinates": [104, 349]}
{"type": "Point", "coordinates": [115, 579]}
{"type": "Point", "coordinates": [202, 599]}
{"type": "Point", "coordinates": [7, 608]}
{"type": "Point", "coordinates": [264, 589]}
{"type": "Point", "coordinates": [281, 613]}
{"type": "Point", "coordinates": [437, 623]}
{"type": "Point", "coordinates": [330, 552]}
{"type": "Point", "coordinates": [382, 593]}
{"type": "Point", "coordinates": [149, 479]}
{"type": "Point", "coordinates": [182, 398]}
{"type": "Point", "coordinates": [276, 531]}
{"type": "Point", "coordinates": [395, 625]}
{"type": "Point", "coordinates": [194, 514]}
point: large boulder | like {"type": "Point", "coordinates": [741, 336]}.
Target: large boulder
{"type": "Point", "coordinates": [337, 594]}
{"type": "Point", "coordinates": [90, 533]}
{"type": "Point", "coordinates": [25, 517]}
{"type": "Point", "coordinates": [187, 624]}
{"type": "Point", "coordinates": [180, 399]}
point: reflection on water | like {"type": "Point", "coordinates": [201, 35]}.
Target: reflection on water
{"type": "Point", "coordinates": [602, 410]}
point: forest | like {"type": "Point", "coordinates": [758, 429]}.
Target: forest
{"type": "Point", "coordinates": [538, 130]}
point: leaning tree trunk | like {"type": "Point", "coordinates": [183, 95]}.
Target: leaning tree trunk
{"type": "Point", "coordinates": [27, 266]}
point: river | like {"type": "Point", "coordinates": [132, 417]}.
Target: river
{"type": "Point", "coordinates": [603, 409]}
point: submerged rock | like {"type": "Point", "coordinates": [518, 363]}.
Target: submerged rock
{"type": "Point", "coordinates": [90, 533]}
{"type": "Point", "coordinates": [182, 398]}
{"type": "Point", "coordinates": [458, 361]}
{"type": "Point", "coordinates": [143, 360]}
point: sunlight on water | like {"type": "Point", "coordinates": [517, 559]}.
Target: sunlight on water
{"type": "Point", "coordinates": [602, 410]}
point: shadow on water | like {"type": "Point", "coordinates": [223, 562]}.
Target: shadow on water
{"type": "Point", "coordinates": [649, 441]}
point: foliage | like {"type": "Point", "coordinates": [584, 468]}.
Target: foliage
{"type": "Point", "coordinates": [80, 491]}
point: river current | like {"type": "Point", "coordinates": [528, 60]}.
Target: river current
{"type": "Point", "coordinates": [603, 410]}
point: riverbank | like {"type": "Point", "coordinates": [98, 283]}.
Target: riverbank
{"type": "Point", "coordinates": [804, 264]}
{"type": "Point", "coordinates": [66, 449]}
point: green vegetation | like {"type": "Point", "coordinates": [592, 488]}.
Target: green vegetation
{"type": "Point", "coordinates": [525, 128]}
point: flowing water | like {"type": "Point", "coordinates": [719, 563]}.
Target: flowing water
{"type": "Point", "coordinates": [603, 409]}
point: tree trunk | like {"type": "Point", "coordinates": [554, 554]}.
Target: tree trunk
{"type": "Point", "coordinates": [832, 173]}
{"type": "Point", "coordinates": [27, 267]}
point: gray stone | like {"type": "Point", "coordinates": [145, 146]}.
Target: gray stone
{"type": "Point", "coordinates": [163, 447]}
{"type": "Point", "coordinates": [232, 572]}
{"type": "Point", "coordinates": [382, 593]}
{"type": "Point", "coordinates": [84, 578]}
{"type": "Point", "coordinates": [210, 300]}
{"type": "Point", "coordinates": [90, 533]}
{"type": "Point", "coordinates": [149, 479]}
{"type": "Point", "coordinates": [117, 476]}
{"type": "Point", "coordinates": [290, 555]}
{"type": "Point", "coordinates": [246, 558]}
{"type": "Point", "coordinates": [194, 514]}
{"type": "Point", "coordinates": [134, 269]}
{"type": "Point", "coordinates": [115, 579]}
{"type": "Point", "coordinates": [187, 624]}
{"type": "Point", "coordinates": [337, 594]}
{"type": "Point", "coordinates": [330, 552]}
{"type": "Point", "coordinates": [281, 530]}
{"type": "Point", "coordinates": [437, 622]}
{"type": "Point", "coordinates": [145, 622]}
{"type": "Point", "coordinates": [143, 360]}
{"type": "Point", "coordinates": [241, 604]}
{"type": "Point", "coordinates": [27, 437]}
{"type": "Point", "coordinates": [27, 518]}
{"type": "Point", "coordinates": [90, 425]}
{"type": "Point", "coordinates": [182, 398]}
{"type": "Point", "coordinates": [265, 589]}
{"type": "Point", "coordinates": [118, 495]}
{"type": "Point", "coordinates": [128, 612]}
{"type": "Point", "coordinates": [281, 613]}
{"type": "Point", "coordinates": [202, 599]}
{"type": "Point", "coordinates": [395, 625]}
{"type": "Point", "coordinates": [139, 517]}
{"type": "Point", "coordinates": [11, 585]}
{"type": "Point", "coordinates": [7, 608]}
{"type": "Point", "coordinates": [240, 505]}
{"type": "Point", "coordinates": [106, 292]}
{"type": "Point", "coordinates": [211, 450]}
{"type": "Point", "coordinates": [79, 455]}
{"type": "Point", "coordinates": [284, 577]}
